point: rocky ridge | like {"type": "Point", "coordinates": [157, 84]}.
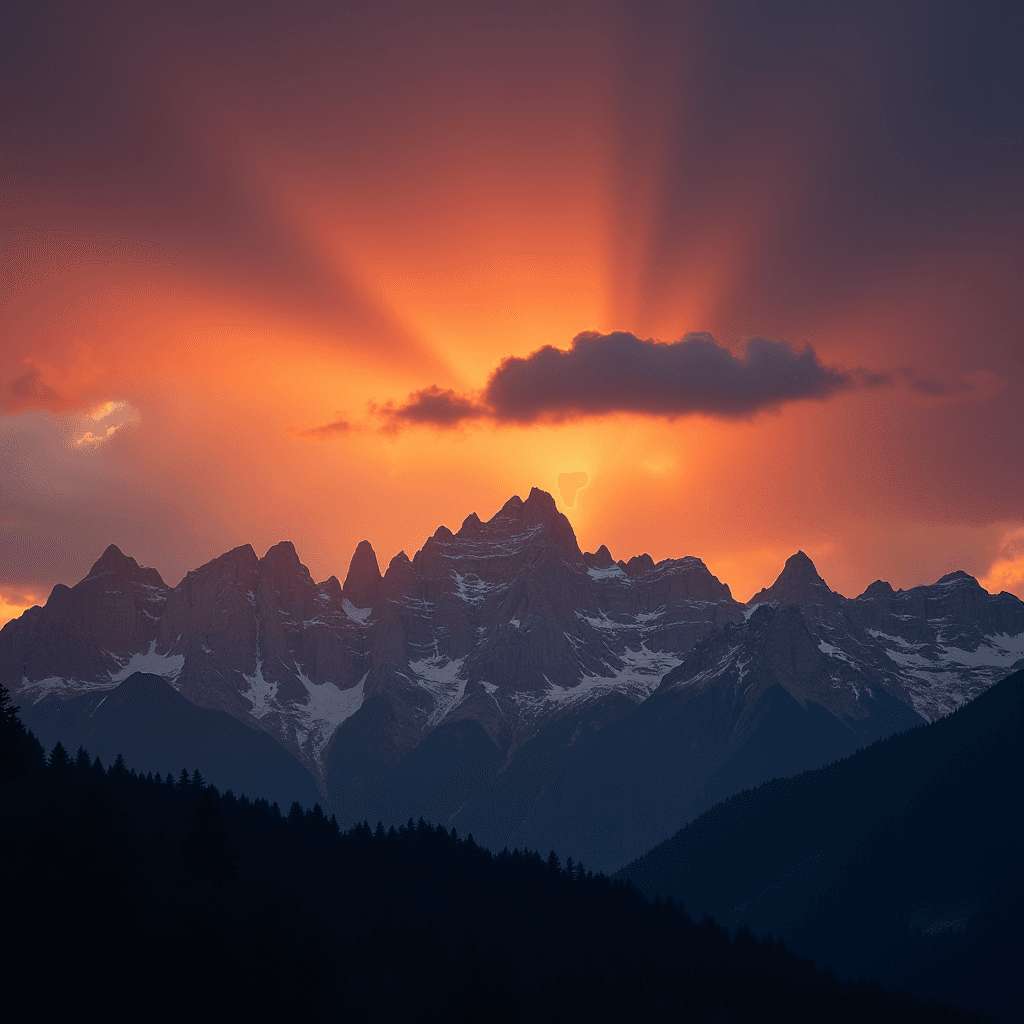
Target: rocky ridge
{"type": "Point", "coordinates": [497, 675]}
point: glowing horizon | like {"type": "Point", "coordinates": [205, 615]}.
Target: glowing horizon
{"type": "Point", "coordinates": [227, 248]}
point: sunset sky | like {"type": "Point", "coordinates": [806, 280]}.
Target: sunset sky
{"type": "Point", "coordinates": [326, 272]}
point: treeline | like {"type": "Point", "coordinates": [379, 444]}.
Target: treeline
{"type": "Point", "coordinates": [159, 895]}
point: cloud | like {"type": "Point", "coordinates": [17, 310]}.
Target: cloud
{"type": "Point", "coordinates": [439, 408]}
{"type": "Point", "coordinates": [111, 416]}
{"type": "Point", "coordinates": [15, 601]}
{"type": "Point", "coordinates": [1007, 569]}
{"type": "Point", "coordinates": [604, 374]}
{"type": "Point", "coordinates": [980, 384]}
{"type": "Point", "coordinates": [328, 430]}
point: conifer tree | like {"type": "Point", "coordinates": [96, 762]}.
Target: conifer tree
{"type": "Point", "coordinates": [8, 710]}
{"type": "Point", "coordinates": [60, 763]}
{"type": "Point", "coordinates": [13, 754]}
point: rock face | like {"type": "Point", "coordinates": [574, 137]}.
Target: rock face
{"type": "Point", "coordinates": [116, 608]}
{"type": "Point", "coordinates": [506, 682]}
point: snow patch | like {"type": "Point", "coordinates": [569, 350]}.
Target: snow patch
{"type": "Point", "coordinates": [359, 615]}
{"type": "Point", "coordinates": [326, 708]}
{"type": "Point", "coordinates": [1003, 650]}
{"type": "Point", "coordinates": [639, 676]}
{"type": "Point", "coordinates": [474, 590]}
{"type": "Point", "coordinates": [167, 665]}
{"type": "Point", "coordinates": [260, 692]}
{"type": "Point", "coordinates": [613, 572]}
{"type": "Point", "coordinates": [747, 612]}
{"type": "Point", "coordinates": [57, 685]}
{"type": "Point", "coordinates": [835, 652]}
{"type": "Point", "coordinates": [440, 677]}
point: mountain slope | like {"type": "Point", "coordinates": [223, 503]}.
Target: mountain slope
{"type": "Point", "coordinates": [877, 862]}
{"type": "Point", "coordinates": [158, 730]}
{"type": "Point", "coordinates": [565, 700]}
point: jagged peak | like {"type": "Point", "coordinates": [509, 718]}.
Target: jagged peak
{"type": "Point", "coordinates": [541, 502]}
{"type": "Point", "coordinates": [363, 582]}
{"type": "Point", "coordinates": [512, 507]}
{"type": "Point", "coordinates": [115, 562]}
{"type": "Point", "coordinates": [283, 557]}
{"type": "Point", "coordinates": [471, 526]}
{"type": "Point", "coordinates": [880, 588]}
{"type": "Point", "coordinates": [282, 549]}
{"type": "Point", "coordinates": [956, 577]}
{"type": "Point", "coordinates": [599, 559]}
{"type": "Point", "coordinates": [797, 584]}
{"type": "Point", "coordinates": [239, 560]}
{"type": "Point", "coordinates": [244, 553]}
{"type": "Point", "coordinates": [637, 565]}
{"type": "Point", "coordinates": [112, 560]}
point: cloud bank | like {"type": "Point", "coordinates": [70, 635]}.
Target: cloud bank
{"type": "Point", "coordinates": [604, 374]}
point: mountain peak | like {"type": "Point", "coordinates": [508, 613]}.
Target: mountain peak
{"type": "Point", "coordinates": [540, 508]}
{"type": "Point", "coordinates": [539, 503]}
{"type": "Point", "coordinates": [115, 562]}
{"type": "Point", "coordinates": [797, 584]}
{"type": "Point", "coordinates": [362, 584]}
{"type": "Point", "coordinates": [112, 560]}
{"type": "Point", "coordinates": [957, 577]}
{"type": "Point", "coordinates": [281, 555]}
{"type": "Point", "coordinates": [599, 559]}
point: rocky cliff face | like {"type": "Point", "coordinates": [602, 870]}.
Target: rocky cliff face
{"type": "Point", "coordinates": [505, 623]}
{"type": "Point", "coordinates": [523, 679]}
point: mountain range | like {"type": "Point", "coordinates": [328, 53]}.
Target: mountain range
{"type": "Point", "coordinates": [508, 683]}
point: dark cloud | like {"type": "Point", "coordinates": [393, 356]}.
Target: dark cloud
{"type": "Point", "coordinates": [433, 405]}
{"type": "Point", "coordinates": [603, 374]}
{"type": "Point", "coordinates": [328, 430]}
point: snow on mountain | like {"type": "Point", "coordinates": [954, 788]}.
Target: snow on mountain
{"type": "Point", "coordinates": [505, 623]}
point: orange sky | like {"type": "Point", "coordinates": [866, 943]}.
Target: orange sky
{"type": "Point", "coordinates": [221, 232]}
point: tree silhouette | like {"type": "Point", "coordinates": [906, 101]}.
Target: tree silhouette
{"type": "Point", "coordinates": [12, 736]}
{"type": "Point", "coordinates": [207, 853]}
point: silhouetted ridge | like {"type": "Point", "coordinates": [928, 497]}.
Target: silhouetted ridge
{"type": "Point", "coordinates": [114, 562]}
{"type": "Point", "coordinates": [363, 582]}
{"type": "Point", "coordinates": [797, 584]}
{"type": "Point", "coordinates": [283, 559]}
{"type": "Point", "coordinates": [599, 559]}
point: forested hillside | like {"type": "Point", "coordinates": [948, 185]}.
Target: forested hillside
{"type": "Point", "coordinates": [903, 861]}
{"type": "Point", "coordinates": [136, 894]}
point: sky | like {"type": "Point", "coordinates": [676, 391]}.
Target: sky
{"type": "Point", "coordinates": [728, 280]}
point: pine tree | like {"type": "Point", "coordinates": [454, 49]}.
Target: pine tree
{"type": "Point", "coordinates": [8, 710]}
{"type": "Point", "coordinates": [60, 763]}
{"type": "Point", "coordinates": [13, 747]}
